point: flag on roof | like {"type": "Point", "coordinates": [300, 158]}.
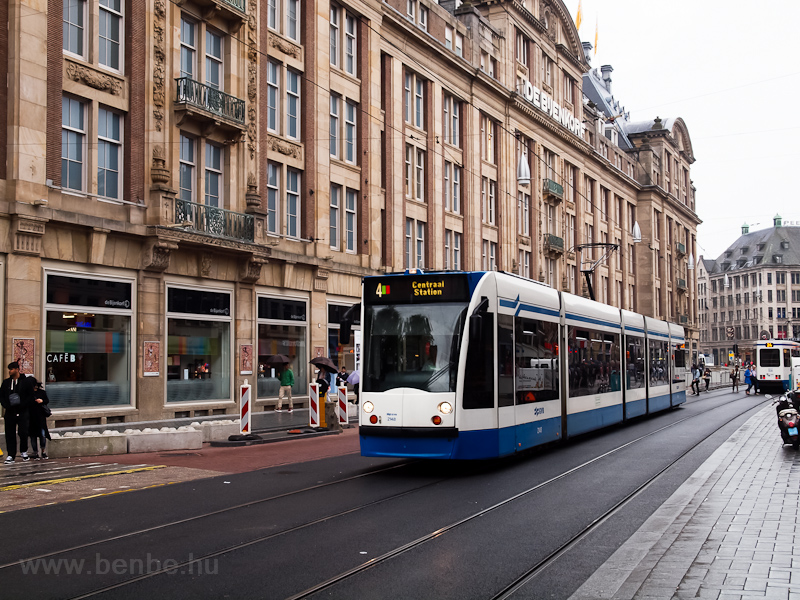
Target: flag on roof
{"type": "Point", "coordinates": [579, 16]}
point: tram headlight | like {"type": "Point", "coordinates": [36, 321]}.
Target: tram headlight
{"type": "Point", "coordinates": [368, 407]}
{"type": "Point", "coordinates": [445, 408]}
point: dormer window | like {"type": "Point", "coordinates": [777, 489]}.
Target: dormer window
{"type": "Point", "coordinates": [777, 258]}
{"type": "Point", "coordinates": [745, 250]}
{"type": "Point", "coordinates": [785, 244]}
{"type": "Point", "coordinates": [760, 247]}
{"type": "Point", "coordinates": [728, 254]}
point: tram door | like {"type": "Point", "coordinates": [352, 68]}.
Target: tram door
{"type": "Point", "coordinates": [506, 411]}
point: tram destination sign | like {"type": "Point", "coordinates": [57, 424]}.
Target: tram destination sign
{"type": "Point", "coordinates": [422, 289]}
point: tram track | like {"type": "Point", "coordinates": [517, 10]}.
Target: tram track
{"type": "Point", "coordinates": [518, 583]}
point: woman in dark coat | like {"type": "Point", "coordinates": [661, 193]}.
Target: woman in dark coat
{"type": "Point", "coordinates": [37, 430]}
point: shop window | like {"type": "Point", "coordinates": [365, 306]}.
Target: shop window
{"type": "Point", "coordinates": [282, 330]}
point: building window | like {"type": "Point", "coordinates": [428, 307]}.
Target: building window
{"type": "Point", "coordinates": [290, 28]}
{"type": "Point", "coordinates": [335, 215]}
{"type": "Point", "coordinates": [109, 149]}
{"type": "Point", "coordinates": [414, 100]}
{"type": "Point", "coordinates": [422, 20]}
{"type": "Point", "coordinates": [292, 105]}
{"type": "Point", "coordinates": [198, 345]}
{"type": "Point", "coordinates": [487, 139]}
{"type": "Point", "coordinates": [88, 343]}
{"type": "Point", "coordinates": [448, 37]}
{"type": "Point", "coordinates": [569, 86]}
{"type": "Point", "coordinates": [348, 62]}
{"type": "Point", "coordinates": [452, 111]}
{"type": "Point", "coordinates": [524, 263]}
{"type": "Point", "coordinates": [213, 60]}
{"type": "Point", "coordinates": [547, 70]}
{"type": "Point", "coordinates": [523, 213]}
{"type": "Point", "coordinates": [452, 187]}
{"type": "Point", "coordinates": [522, 49]}
{"type": "Point", "coordinates": [488, 200]}
{"type": "Point", "coordinates": [349, 132]}
{"type": "Point", "coordinates": [420, 244]}
{"type": "Point", "coordinates": [74, 28]}
{"type": "Point", "coordinates": [292, 203]}
{"type": "Point", "coordinates": [188, 47]}
{"type": "Point", "coordinates": [73, 139]}
{"type": "Point", "coordinates": [110, 34]}
{"type": "Point", "coordinates": [415, 244]}
{"type": "Point", "coordinates": [489, 255]}
{"type": "Point", "coordinates": [187, 168]}
{"type": "Point", "coordinates": [452, 250]}
{"type": "Point", "coordinates": [273, 95]}
{"type": "Point", "coordinates": [213, 175]}
{"type": "Point", "coordinates": [415, 173]}
{"type": "Point", "coordinates": [459, 45]}
{"type": "Point", "coordinates": [273, 195]}
{"type": "Point", "coordinates": [334, 125]}
{"type": "Point", "coordinates": [343, 224]}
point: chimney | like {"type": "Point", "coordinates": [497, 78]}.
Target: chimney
{"type": "Point", "coordinates": [606, 70]}
{"type": "Point", "coordinates": [587, 51]}
{"type": "Point", "coordinates": [777, 220]}
{"type": "Point", "coordinates": [745, 229]}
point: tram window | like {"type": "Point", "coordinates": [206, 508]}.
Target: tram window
{"type": "Point", "coordinates": [680, 358]}
{"type": "Point", "coordinates": [787, 358]}
{"type": "Point", "coordinates": [659, 371]}
{"type": "Point", "coordinates": [594, 366]}
{"type": "Point", "coordinates": [505, 360]}
{"type": "Point", "coordinates": [634, 363]}
{"type": "Point", "coordinates": [537, 360]}
{"type": "Point", "coordinates": [770, 357]}
{"type": "Point", "coordinates": [479, 370]}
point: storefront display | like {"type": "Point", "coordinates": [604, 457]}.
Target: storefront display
{"type": "Point", "coordinates": [87, 342]}
{"type": "Point", "coordinates": [282, 331]}
{"type": "Point", "coordinates": [198, 345]}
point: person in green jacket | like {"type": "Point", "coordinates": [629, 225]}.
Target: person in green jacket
{"type": "Point", "coordinates": [287, 381]}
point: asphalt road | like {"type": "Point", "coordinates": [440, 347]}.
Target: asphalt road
{"type": "Point", "coordinates": [353, 527]}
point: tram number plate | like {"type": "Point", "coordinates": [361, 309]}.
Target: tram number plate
{"type": "Point", "coordinates": [793, 431]}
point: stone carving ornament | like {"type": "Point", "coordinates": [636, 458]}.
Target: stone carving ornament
{"type": "Point", "coordinates": [94, 79]}
{"type": "Point", "coordinates": [159, 70]}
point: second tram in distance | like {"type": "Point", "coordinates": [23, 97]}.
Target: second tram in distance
{"type": "Point", "coordinates": [479, 365]}
{"type": "Point", "coordinates": [774, 365]}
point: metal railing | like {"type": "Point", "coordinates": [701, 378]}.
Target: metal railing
{"type": "Point", "coordinates": [553, 188]}
{"type": "Point", "coordinates": [680, 247]}
{"type": "Point", "coordinates": [215, 221]}
{"type": "Point", "coordinates": [239, 5]}
{"type": "Point", "coordinates": [553, 243]}
{"type": "Point", "coordinates": [202, 96]}
{"type": "Point", "coordinates": [681, 284]}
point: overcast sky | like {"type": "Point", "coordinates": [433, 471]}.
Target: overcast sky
{"type": "Point", "coordinates": [730, 70]}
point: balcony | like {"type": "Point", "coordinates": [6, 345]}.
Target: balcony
{"type": "Point", "coordinates": [683, 319]}
{"type": "Point", "coordinates": [552, 190]}
{"type": "Point", "coordinates": [214, 221]}
{"type": "Point", "coordinates": [553, 244]}
{"type": "Point", "coordinates": [210, 106]}
{"type": "Point", "coordinates": [233, 11]}
{"type": "Point", "coordinates": [681, 248]}
{"type": "Point", "coordinates": [682, 285]}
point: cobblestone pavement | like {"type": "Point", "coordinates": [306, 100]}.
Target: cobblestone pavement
{"type": "Point", "coordinates": [727, 533]}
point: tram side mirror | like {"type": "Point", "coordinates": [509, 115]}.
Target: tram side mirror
{"type": "Point", "coordinates": [476, 329]}
{"type": "Point", "coordinates": [350, 316]}
{"type": "Point", "coordinates": [476, 321]}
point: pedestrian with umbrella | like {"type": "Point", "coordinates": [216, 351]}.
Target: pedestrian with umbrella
{"type": "Point", "coordinates": [354, 379]}
{"type": "Point", "coordinates": [325, 366]}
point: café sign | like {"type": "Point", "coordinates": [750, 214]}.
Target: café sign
{"type": "Point", "coordinates": [544, 103]}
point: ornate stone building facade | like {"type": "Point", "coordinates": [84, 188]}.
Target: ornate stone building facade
{"type": "Point", "coordinates": [193, 187]}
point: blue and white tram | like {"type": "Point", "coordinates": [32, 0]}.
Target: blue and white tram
{"type": "Point", "coordinates": [484, 364]}
{"type": "Point", "coordinates": [774, 364]}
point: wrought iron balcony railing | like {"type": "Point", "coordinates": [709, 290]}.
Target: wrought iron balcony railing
{"type": "Point", "coordinates": [680, 247]}
{"type": "Point", "coordinates": [215, 221]}
{"type": "Point", "coordinates": [681, 284]}
{"type": "Point", "coordinates": [240, 5]}
{"type": "Point", "coordinates": [553, 243]}
{"type": "Point", "coordinates": [684, 319]}
{"type": "Point", "coordinates": [198, 95]}
{"type": "Point", "coordinates": [553, 189]}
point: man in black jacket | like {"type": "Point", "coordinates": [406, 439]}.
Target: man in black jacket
{"type": "Point", "coordinates": [16, 397]}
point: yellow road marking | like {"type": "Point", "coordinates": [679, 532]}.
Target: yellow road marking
{"type": "Point", "coordinates": [78, 478]}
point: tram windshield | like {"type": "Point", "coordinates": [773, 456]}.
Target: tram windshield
{"type": "Point", "coordinates": [413, 346]}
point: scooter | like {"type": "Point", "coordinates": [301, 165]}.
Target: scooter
{"type": "Point", "coordinates": [788, 418]}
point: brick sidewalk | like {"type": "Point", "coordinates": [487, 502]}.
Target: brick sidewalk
{"type": "Point", "coordinates": [727, 533]}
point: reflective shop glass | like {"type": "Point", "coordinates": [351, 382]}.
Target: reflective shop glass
{"type": "Point", "coordinates": [413, 346]}
{"type": "Point", "coordinates": [537, 360]}
{"type": "Point", "coordinates": [290, 341]}
{"type": "Point", "coordinates": [88, 359]}
{"type": "Point", "coordinates": [594, 366]}
{"type": "Point", "coordinates": [198, 360]}
{"type": "Point", "coordinates": [634, 363]}
{"type": "Point", "coordinates": [659, 368]}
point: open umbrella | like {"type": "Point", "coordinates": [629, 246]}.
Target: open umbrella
{"type": "Point", "coordinates": [323, 362]}
{"type": "Point", "coordinates": [278, 359]}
